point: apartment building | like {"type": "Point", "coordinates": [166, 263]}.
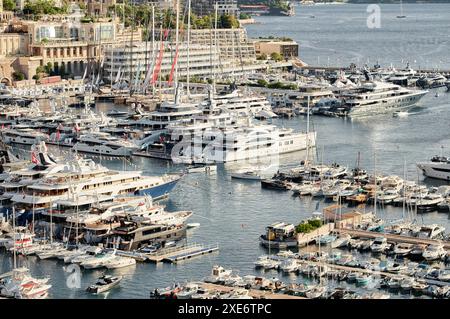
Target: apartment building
{"type": "Point", "coordinates": [134, 60]}
{"type": "Point", "coordinates": [206, 7]}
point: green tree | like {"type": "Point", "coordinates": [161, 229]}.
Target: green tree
{"type": "Point", "coordinates": [227, 21]}
{"type": "Point", "coordinates": [276, 57]}
{"type": "Point", "coordinates": [40, 7]}
{"type": "Point", "coordinates": [262, 56]}
{"type": "Point", "coordinates": [262, 82]}
{"type": "Point", "coordinates": [18, 76]}
{"type": "Point", "coordinates": [315, 223]}
{"type": "Point", "coordinates": [244, 16]}
{"type": "Point", "coordinates": [303, 228]}
{"type": "Point", "coordinates": [9, 5]}
{"type": "Point", "coordinates": [48, 68]}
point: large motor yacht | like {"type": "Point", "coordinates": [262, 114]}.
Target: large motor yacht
{"type": "Point", "coordinates": [379, 97]}
{"type": "Point", "coordinates": [85, 177]}
{"type": "Point", "coordinates": [438, 167]}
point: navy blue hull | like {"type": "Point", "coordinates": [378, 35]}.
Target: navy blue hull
{"type": "Point", "coordinates": [159, 191]}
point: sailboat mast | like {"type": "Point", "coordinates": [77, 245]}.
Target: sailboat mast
{"type": "Point", "coordinates": [76, 230]}
{"type": "Point", "coordinates": [176, 46]}
{"type": "Point", "coordinates": [404, 188]}
{"type": "Point", "coordinates": [51, 222]}
{"type": "Point", "coordinates": [153, 43]}
{"type": "Point", "coordinates": [146, 64]}
{"type": "Point", "coordinates": [14, 238]}
{"type": "Point", "coordinates": [188, 71]}
{"type": "Point", "coordinates": [32, 229]}
{"type": "Point", "coordinates": [131, 47]}
{"type": "Point", "coordinates": [307, 133]}
{"type": "Point", "coordinates": [375, 182]}
{"type": "Point", "coordinates": [215, 44]}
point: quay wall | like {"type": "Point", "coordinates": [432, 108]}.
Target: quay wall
{"type": "Point", "coordinates": [304, 239]}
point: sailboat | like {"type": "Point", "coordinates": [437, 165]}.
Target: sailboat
{"type": "Point", "coordinates": [19, 284]}
{"type": "Point", "coordinates": [401, 16]}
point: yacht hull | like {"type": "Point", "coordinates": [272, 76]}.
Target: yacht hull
{"type": "Point", "coordinates": [387, 105]}
{"type": "Point", "coordinates": [435, 170]}
{"type": "Point", "coordinates": [160, 191]}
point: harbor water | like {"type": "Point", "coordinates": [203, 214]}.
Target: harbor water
{"type": "Point", "coordinates": [234, 213]}
{"type": "Point", "coordinates": [338, 35]}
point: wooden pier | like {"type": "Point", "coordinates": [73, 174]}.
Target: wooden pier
{"type": "Point", "coordinates": [257, 294]}
{"type": "Point", "coordinates": [393, 238]}
{"type": "Point", "coordinates": [383, 274]}
{"type": "Point", "coordinates": [177, 254]}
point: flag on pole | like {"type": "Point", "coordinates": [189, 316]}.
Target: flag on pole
{"type": "Point", "coordinates": [175, 61]}
{"type": "Point", "coordinates": [34, 158]}
{"type": "Point", "coordinates": [160, 57]}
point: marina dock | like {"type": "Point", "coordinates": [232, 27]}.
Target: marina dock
{"type": "Point", "coordinates": [258, 294]}
{"type": "Point", "coordinates": [392, 237]}
{"type": "Point", "coordinates": [382, 274]}
{"type": "Point", "coordinates": [177, 254]}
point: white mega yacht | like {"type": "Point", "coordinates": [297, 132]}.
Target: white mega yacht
{"type": "Point", "coordinates": [104, 144]}
{"type": "Point", "coordinates": [234, 143]}
{"type": "Point", "coordinates": [25, 136]}
{"type": "Point", "coordinates": [85, 177]}
{"type": "Point", "coordinates": [379, 97]}
{"type": "Point", "coordinates": [240, 103]}
{"type": "Point", "coordinates": [438, 167]}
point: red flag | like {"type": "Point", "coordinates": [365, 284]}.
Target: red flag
{"type": "Point", "coordinates": [34, 158]}
{"type": "Point", "coordinates": [173, 67]}
{"type": "Point", "coordinates": [160, 58]}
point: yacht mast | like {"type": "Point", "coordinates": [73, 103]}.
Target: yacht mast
{"type": "Point", "coordinates": [131, 47]}
{"type": "Point", "coordinates": [375, 181]}
{"type": "Point", "coordinates": [188, 71]}
{"type": "Point", "coordinates": [153, 45]}
{"type": "Point", "coordinates": [307, 132]}
{"type": "Point", "coordinates": [14, 238]}
{"type": "Point", "coordinates": [215, 44]}
{"type": "Point", "coordinates": [51, 222]}
{"type": "Point", "coordinates": [176, 46]}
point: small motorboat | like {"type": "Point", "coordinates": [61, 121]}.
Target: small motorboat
{"type": "Point", "coordinates": [192, 225]}
{"type": "Point", "coordinates": [202, 168]}
{"type": "Point", "coordinates": [120, 262]}
{"type": "Point", "coordinates": [117, 113]}
{"type": "Point", "coordinates": [325, 240]}
{"type": "Point", "coordinates": [104, 284]}
{"type": "Point", "coordinates": [400, 114]}
{"type": "Point", "coordinates": [363, 279]}
{"type": "Point", "coordinates": [433, 252]}
{"type": "Point", "coordinates": [248, 175]}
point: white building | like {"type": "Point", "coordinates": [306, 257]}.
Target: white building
{"type": "Point", "coordinates": [135, 59]}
